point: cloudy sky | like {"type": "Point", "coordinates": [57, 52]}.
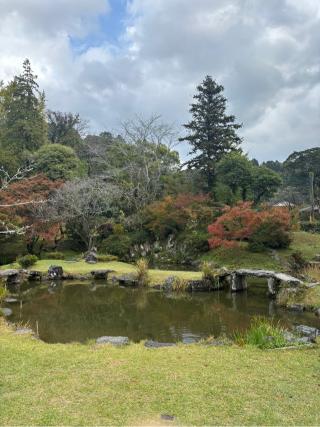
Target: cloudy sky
{"type": "Point", "coordinates": [110, 59]}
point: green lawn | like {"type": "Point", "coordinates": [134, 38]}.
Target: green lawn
{"type": "Point", "coordinates": [81, 267]}
{"type": "Point", "coordinates": [307, 243]}
{"type": "Point", "coordinates": [73, 384]}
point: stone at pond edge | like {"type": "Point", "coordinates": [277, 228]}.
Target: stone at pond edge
{"type": "Point", "coordinates": [156, 344]}
{"type": "Point", "coordinates": [128, 280]}
{"type": "Point", "coordinates": [10, 300]}
{"type": "Point", "coordinates": [296, 307]}
{"type": "Point", "coordinates": [308, 331]}
{"type": "Point", "coordinates": [23, 331]}
{"type": "Point", "coordinates": [101, 274]}
{"type": "Point", "coordinates": [6, 311]}
{"type": "Point", "coordinates": [317, 312]}
{"type": "Point", "coordinates": [117, 341]}
{"type": "Point", "coordinates": [55, 272]}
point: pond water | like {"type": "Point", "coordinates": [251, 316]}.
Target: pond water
{"type": "Point", "coordinates": [68, 312]}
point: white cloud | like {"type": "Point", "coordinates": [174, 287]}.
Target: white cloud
{"type": "Point", "coordinates": [265, 53]}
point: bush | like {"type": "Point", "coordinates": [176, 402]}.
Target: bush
{"type": "Point", "coordinates": [310, 227]}
{"type": "Point", "coordinates": [27, 260]}
{"type": "Point", "coordinates": [54, 255]}
{"type": "Point", "coordinates": [269, 234]}
{"type": "Point", "coordinates": [118, 245]}
{"type": "Point", "coordinates": [142, 269]}
{"type": "Point", "coordinates": [297, 263]}
{"type": "Point", "coordinates": [107, 258]}
{"type": "Point", "coordinates": [262, 333]}
{"type": "Point", "coordinates": [195, 242]}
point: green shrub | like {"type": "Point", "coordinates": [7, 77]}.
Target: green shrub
{"type": "Point", "coordinates": [54, 255]}
{"type": "Point", "coordinates": [195, 242]}
{"type": "Point", "coordinates": [142, 271]}
{"type": "Point", "coordinates": [262, 333]}
{"type": "Point", "coordinates": [27, 260]}
{"type": "Point", "coordinates": [297, 262]}
{"type": "Point", "coordinates": [107, 258]}
{"type": "Point", "coordinates": [310, 227]}
{"type": "Point", "coordinates": [118, 245]}
{"type": "Point", "coordinates": [270, 234]}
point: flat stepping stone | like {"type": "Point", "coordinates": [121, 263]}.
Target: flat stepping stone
{"type": "Point", "coordinates": [156, 344]}
{"type": "Point", "coordinates": [128, 280]}
{"type": "Point", "coordinates": [6, 311]}
{"type": "Point", "coordinates": [117, 341]}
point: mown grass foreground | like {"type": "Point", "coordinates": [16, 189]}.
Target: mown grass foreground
{"type": "Point", "coordinates": [73, 384]}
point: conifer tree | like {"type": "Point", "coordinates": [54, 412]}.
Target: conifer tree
{"type": "Point", "coordinates": [211, 132]}
{"type": "Point", "coordinates": [23, 107]}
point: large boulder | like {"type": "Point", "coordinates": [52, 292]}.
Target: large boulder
{"type": "Point", "coordinates": [101, 274]}
{"type": "Point", "coordinates": [91, 257]}
{"type": "Point", "coordinates": [308, 331]}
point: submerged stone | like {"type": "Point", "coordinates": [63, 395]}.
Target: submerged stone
{"type": "Point", "coordinates": [11, 300]}
{"type": "Point", "coordinates": [113, 340]}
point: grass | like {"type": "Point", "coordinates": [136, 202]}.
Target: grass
{"type": "Point", "coordinates": [241, 257]}
{"type": "Point", "coordinates": [81, 267]}
{"type": "Point", "coordinates": [73, 384]}
{"type": "Point", "coordinates": [263, 334]}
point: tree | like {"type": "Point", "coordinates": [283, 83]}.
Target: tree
{"type": "Point", "coordinates": [23, 114]}
{"type": "Point", "coordinates": [211, 132]}
{"type": "Point", "coordinates": [58, 162]}
{"type": "Point", "coordinates": [65, 128]}
{"type": "Point", "coordinates": [84, 206]}
{"type": "Point", "coordinates": [236, 171]}
{"type": "Point", "coordinates": [297, 169]}
{"type": "Point", "coordinates": [138, 161]}
{"type": "Point", "coordinates": [265, 183]}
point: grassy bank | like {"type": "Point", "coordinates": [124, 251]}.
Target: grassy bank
{"type": "Point", "coordinates": [45, 384]}
{"type": "Point", "coordinates": [306, 243]}
{"type": "Point", "coordinates": [81, 267]}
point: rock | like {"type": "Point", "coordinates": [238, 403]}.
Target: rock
{"type": "Point", "coordinates": [167, 417]}
{"type": "Point", "coordinates": [55, 272]}
{"type": "Point", "coordinates": [308, 331]}
{"type": "Point", "coordinates": [34, 275]}
{"type": "Point", "coordinates": [91, 257]}
{"type": "Point", "coordinates": [156, 344]}
{"type": "Point", "coordinates": [317, 312]}
{"type": "Point", "coordinates": [303, 340]}
{"type": "Point", "coordinates": [11, 300]}
{"type": "Point", "coordinates": [289, 337]}
{"type": "Point", "coordinates": [12, 276]}
{"type": "Point", "coordinates": [117, 341]}
{"type": "Point", "coordinates": [128, 280]}
{"type": "Point", "coordinates": [6, 311]}
{"type": "Point", "coordinates": [101, 274]}
{"type": "Point", "coordinates": [23, 331]}
{"type": "Point", "coordinates": [296, 307]}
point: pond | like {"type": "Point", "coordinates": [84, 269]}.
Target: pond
{"type": "Point", "coordinates": [69, 312]}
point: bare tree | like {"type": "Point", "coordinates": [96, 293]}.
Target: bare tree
{"type": "Point", "coordinates": [7, 228]}
{"type": "Point", "coordinates": [83, 205]}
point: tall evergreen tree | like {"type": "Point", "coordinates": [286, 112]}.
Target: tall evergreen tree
{"type": "Point", "coordinates": [23, 107]}
{"type": "Point", "coordinates": [211, 132]}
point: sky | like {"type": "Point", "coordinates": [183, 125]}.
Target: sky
{"type": "Point", "coordinates": [111, 59]}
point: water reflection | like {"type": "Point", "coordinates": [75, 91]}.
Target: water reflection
{"type": "Point", "coordinates": [67, 312]}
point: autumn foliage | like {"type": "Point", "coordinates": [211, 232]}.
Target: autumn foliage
{"type": "Point", "coordinates": [19, 200]}
{"type": "Point", "coordinates": [240, 222]}
{"type": "Point", "coordinates": [173, 214]}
